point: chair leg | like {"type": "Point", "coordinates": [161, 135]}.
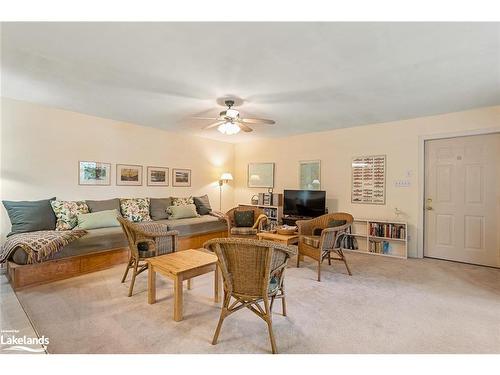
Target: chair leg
{"type": "Point", "coordinates": [329, 258]}
{"type": "Point", "coordinates": [298, 259]}
{"type": "Point", "coordinates": [227, 298]}
{"type": "Point", "coordinates": [132, 282]}
{"type": "Point", "coordinates": [126, 271]}
{"type": "Point", "coordinates": [283, 302]}
{"type": "Point", "coordinates": [341, 253]}
{"type": "Point", "coordinates": [272, 303]}
{"type": "Point", "coordinates": [270, 326]}
{"type": "Point", "coordinates": [319, 267]}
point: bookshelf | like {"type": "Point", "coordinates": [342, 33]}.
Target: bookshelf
{"type": "Point", "coordinates": [274, 213]}
{"type": "Point", "coordinates": [380, 237]}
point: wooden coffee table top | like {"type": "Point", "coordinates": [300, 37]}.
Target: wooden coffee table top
{"type": "Point", "coordinates": [182, 261]}
{"type": "Point", "coordinates": [284, 238]}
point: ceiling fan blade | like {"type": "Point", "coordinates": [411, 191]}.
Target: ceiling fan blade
{"type": "Point", "coordinates": [213, 125]}
{"type": "Point", "coordinates": [245, 128]}
{"type": "Point", "coordinates": [257, 121]}
{"type": "Point", "coordinates": [205, 118]}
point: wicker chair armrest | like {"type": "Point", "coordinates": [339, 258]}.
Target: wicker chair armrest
{"type": "Point", "coordinates": [305, 226]}
{"type": "Point", "coordinates": [145, 231]}
{"type": "Point", "coordinates": [173, 233]}
{"type": "Point", "coordinates": [228, 220]}
{"type": "Point", "coordinates": [339, 229]}
{"type": "Point", "coordinates": [290, 251]}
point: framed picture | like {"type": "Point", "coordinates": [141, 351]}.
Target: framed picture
{"type": "Point", "coordinates": [310, 175]}
{"type": "Point", "coordinates": [261, 175]}
{"type": "Point", "coordinates": [129, 175]}
{"type": "Point", "coordinates": [368, 179]}
{"type": "Point", "coordinates": [157, 176]}
{"type": "Point", "coordinates": [181, 177]}
{"type": "Point", "coordinates": [94, 173]}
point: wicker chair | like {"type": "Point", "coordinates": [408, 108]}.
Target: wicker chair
{"type": "Point", "coordinates": [245, 232]}
{"type": "Point", "coordinates": [320, 247]}
{"type": "Point", "coordinates": [157, 238]}
{"type": "Point", "coordinates": [253, 272]}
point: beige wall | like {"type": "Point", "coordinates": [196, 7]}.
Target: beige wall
{"type": "Point", "coordinates": [398, 140]}
{"type": "Point", "coordinates": [41, 147]}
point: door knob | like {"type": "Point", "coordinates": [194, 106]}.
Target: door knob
{"type": "Point", "coordinates": [428, 205]}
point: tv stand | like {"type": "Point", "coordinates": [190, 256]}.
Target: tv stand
{"type": "Point", "coordinates": [290, 220]}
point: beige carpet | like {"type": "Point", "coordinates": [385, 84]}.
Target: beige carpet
{"type": "Point", "coordinates": [387, 306]}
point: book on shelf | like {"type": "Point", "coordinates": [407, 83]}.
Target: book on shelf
{"type": "Point", "coordinates": [349, 242]}
{"type": "Point", "coordinates": [271, 213]}
{"type": "Point", "coordinates": [388, 230]}
{"type": "Point", "coordinates": [379, 247]}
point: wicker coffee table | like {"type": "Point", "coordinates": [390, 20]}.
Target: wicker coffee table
{"type": "Point", "coordinates": [180, 266]}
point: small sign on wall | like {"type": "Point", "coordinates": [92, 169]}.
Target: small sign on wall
{"type": "Point", "coordinates": [368, 179]}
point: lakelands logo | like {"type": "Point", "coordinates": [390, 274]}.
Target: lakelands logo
{"type": "Point", "coordinates": [10, 341]}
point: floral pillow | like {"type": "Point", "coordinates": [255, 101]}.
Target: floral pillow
{"type": "Point", "coordinates": [67, 213]}
{"type": "Point", "coordinates": [135, 209]}
{"type": "Point", "coordinates": [182, 201]}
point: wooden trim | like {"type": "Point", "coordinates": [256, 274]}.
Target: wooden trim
{"type": "Point", "coordinates": [197, 241]}
{"type": "Point", "coordinates": [21, 276]}
{"type": "Point", "coordinates": [27, 275]}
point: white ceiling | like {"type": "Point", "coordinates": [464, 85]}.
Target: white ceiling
{"type": "Point", "coordinates": [306, 76]}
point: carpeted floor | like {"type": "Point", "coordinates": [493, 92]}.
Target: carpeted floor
{"type": "Point", "coordinates": [387, 306]}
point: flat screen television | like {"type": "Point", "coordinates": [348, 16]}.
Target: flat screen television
{"type": "Point", "coordinates": [310, 203]}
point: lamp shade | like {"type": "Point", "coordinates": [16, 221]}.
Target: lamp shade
{"type": "Point", "coordinates": [226, 176]}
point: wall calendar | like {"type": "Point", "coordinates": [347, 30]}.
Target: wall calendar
{"type": "Point", "coordinates": [368, 179]}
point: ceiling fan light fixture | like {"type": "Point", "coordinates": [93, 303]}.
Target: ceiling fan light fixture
{"type": "Point", "coordinates": [233, 113]}
{"type": "Point", "coordinates": [228, 128]}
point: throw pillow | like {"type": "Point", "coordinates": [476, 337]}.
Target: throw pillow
{"type": "Point", "coordinates": [202, 205]}
{"type": "Point", "coordinates": [182, 201]}
{"type": "Point", "coordinates": [104, 205]}
{"type": "Point", "coordinates": [182, 212]}
{"type": "Point", "coordinates": [100, 219]}
{"type": "Point", "coordinates": [67, 213]}
{"type": "Point", "coordinates": [30, 216]}
{"type": "Point", "coordinates": [135, 209]}
{"type": "Point", "coordinates": [158, 208]}
{"type": "Point", "coordinates": [244, 218]}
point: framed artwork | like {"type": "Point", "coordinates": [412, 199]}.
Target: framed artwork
{"type": "Point", "coordinates": [368, 179]}
{"type": "Point", "coordinates": [261, 175]}
{"type": "Point", "coordinates": [157, 176]}
{"type": "Point", "coordinates": [129, 175]}
{"type": "Point", "coordinates": [310, 175]}
{"type": "Point", "coordinates": [181, 177]}
{"type": "Point", "coordinates": [94, 173]}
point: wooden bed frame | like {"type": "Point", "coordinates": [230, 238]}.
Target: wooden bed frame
{"type": "Point", "coordinates": [22, 276]}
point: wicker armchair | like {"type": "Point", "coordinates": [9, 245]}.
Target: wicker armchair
{"type": "Point", "coordinates": [245, 232]}
{"type": "Point", "coordinates": [253, 272]}
{"type": "Point", "coordinates": [146, 240]}
{"type": "Point", "coordinates": [320, 246]}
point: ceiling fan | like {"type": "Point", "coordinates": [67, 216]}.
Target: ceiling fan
{"type": "Point", "coordinates": [229, 121]}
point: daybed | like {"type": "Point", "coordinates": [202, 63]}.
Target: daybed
{"type": "Point", "coordinates": [105, 247]}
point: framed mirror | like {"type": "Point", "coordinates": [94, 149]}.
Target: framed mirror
{"type": "Point", "coordinates": [310, 175]}
{"type": "Point", "coordinates": [261, 175]}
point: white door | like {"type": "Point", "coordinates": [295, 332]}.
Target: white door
{"type": "Point", "coordinates": [462, 199]}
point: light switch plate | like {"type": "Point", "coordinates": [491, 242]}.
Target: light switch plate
{"type": "Point", "coordinates": [402, 183]}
